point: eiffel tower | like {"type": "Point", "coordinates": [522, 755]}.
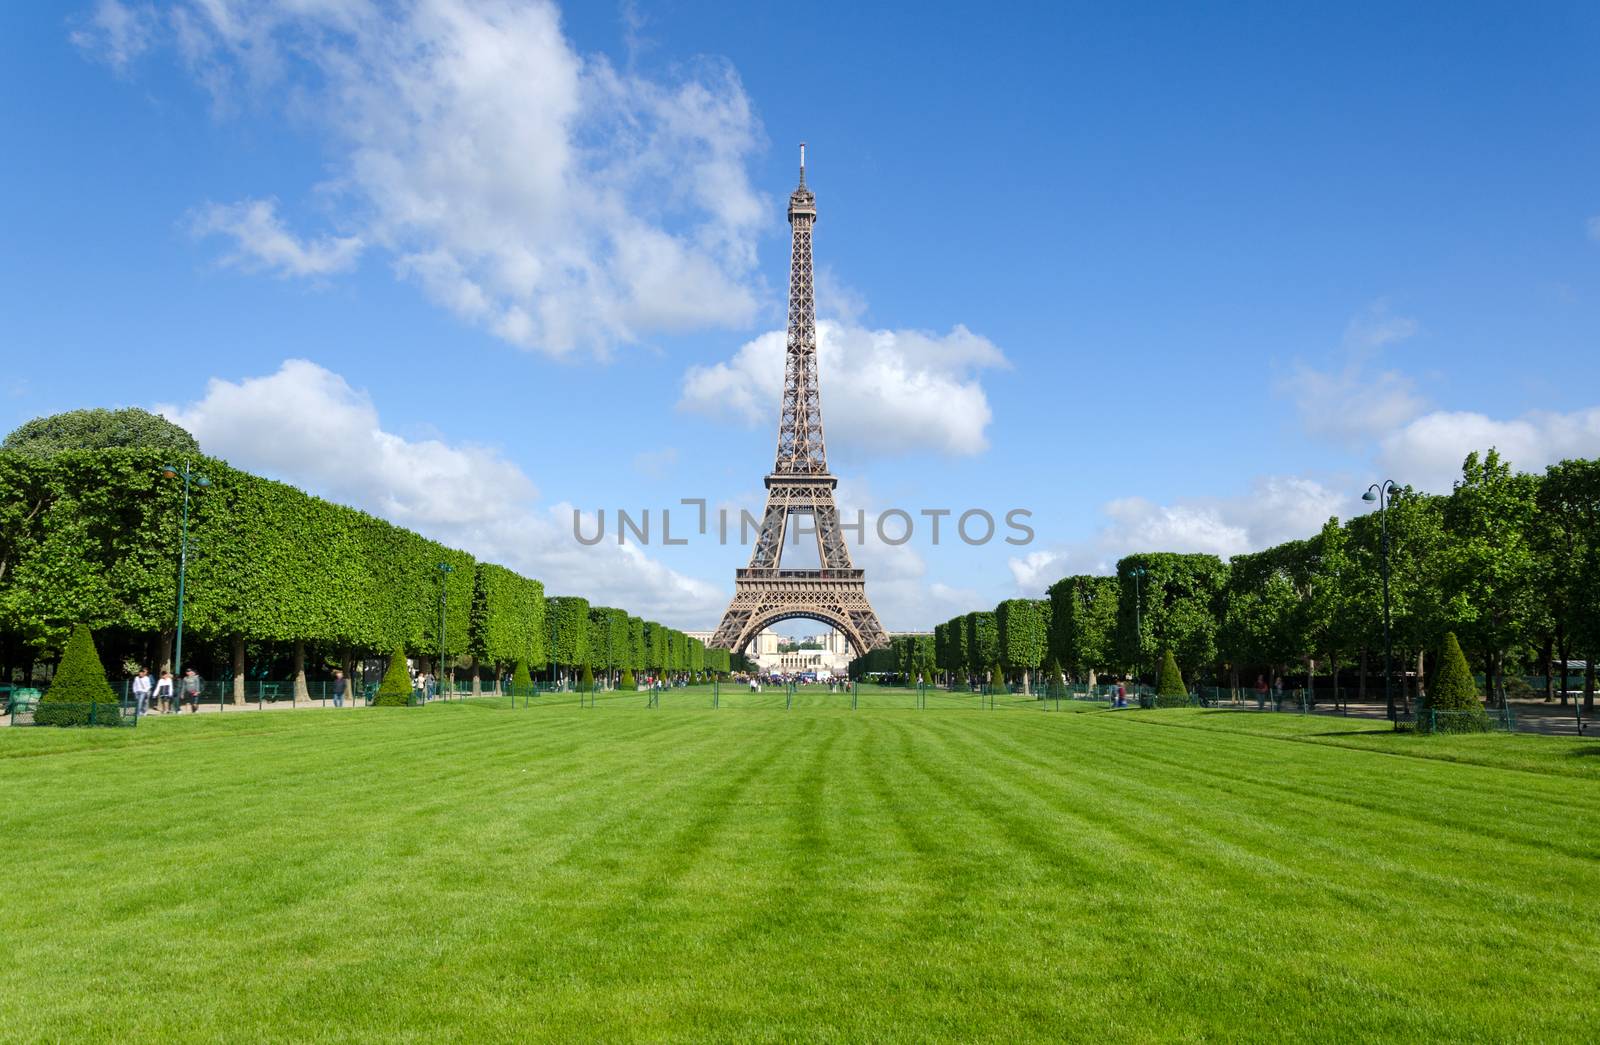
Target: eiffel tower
{"type": "Point", "coordinates": [799, 484]}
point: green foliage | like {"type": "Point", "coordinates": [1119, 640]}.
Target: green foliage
{"type": "Point", "coordinates": [607, 638]}
{"type": "Point", "coordinates": [1022, 632]}
{"type": "Point", "coordinates": [568, 615]}
{"type": "Point", "coordinates": [1083, 621]}
{"type": "Point", "coordinates": [1176, 601]}
{"type": "Point", "coordinates": [1170, 683]}
{"type": "Point", "coordinates": [100, 429]}
{"type": "Point", "coordinates": [586, 682]}
{"type": "Point", "coordinates": [656, 646]}
{"type": "Point", "coordinates": [982, 640]}
{"type": "Point", "coordinates": [638, 644]}
{"type": "Point", "coordinates": [507, 616]}
{"type": "Point", "coordinates": [627, 684]}
{"type": "Point", "coordinates": [955, 637]}
{"type": "Point", "coordinates": [1453, 687]}
{"type": "Point", "coordinates": [395, 689]}
{"type": "Point", "coordinates": [79, 694]}
{"type": "Point", "coordinates": [521, 677]}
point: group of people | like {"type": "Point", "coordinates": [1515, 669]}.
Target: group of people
{"type": "Point", "coordinates": [161, 693]}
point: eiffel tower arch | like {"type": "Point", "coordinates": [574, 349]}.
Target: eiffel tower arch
{"type": "Point", "coordinates": [799, 485]}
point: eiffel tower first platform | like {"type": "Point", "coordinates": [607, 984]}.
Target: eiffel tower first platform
{"type": "Point", "coordinates": [765, 593]}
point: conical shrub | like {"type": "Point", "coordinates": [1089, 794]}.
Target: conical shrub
{"type": "Point", "coordinates": [1170, 683]}
{"type": "Point", "coordinates": [627, 685]}
{"type": "Point", "coordinates": [1452, 703]}
{"type": "Point", "coordinates": [521, 679]}
{"type": "Point", "coordinates": [997, 675]}
{"type": "Point", "coordinates": [79, 695]}
{"type": "Point", "coordinates": [395, 689]}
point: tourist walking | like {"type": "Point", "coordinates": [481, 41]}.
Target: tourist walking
{"type": "Point", "coordinates": [192, 686]}
{"type": "Point", "coordinates": [163, 692]}
{"type": "Point", "coordinates": [1261, 691]}
{"type": "Point", "coordinates": [339, 686]}
{"type": "Point", "coordinates": [141, 692]}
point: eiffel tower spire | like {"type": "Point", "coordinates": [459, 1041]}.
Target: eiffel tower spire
{"type": "Point", "coordinates": [800, 484]}
{"type": "Point", "coordinates": [800, 445]}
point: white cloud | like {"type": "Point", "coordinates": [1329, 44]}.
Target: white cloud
{"type": "Point", "coordinates": [1427, 453]}
{"type": "Point", "coordinates": [1352, 402]}
{"type": "Point", "coordinates": [117, 33]}
{"type": "Point", "coordinates": [1593, 225]}
{"type": "Point", "coordinates": [541, 194]}
{"type": "Point", "coordinates": [263, 242]}
{"type": "Point", "coordinates": [1274, 510]}
{"type": "Point", "coordinates": [884, 392]}
{"type": "Point", "coordinates": [307, 426]}
{"type": "Point", "coordinates": [1036, 571]}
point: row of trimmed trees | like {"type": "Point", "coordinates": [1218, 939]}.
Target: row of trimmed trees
{"type": "Point", "coordinates": [1509, 562]}
{"type": "Point", "coordinates": [278, 582]}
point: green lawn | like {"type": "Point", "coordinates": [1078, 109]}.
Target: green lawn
{"type": "Point", "coordinates": [465, 872]}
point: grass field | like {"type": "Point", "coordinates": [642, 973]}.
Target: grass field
{"type": "Point", "coordinates": [462, 873]}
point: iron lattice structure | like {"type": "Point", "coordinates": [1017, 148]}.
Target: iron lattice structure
{"type": "Point", "coordinates": [800, 485]}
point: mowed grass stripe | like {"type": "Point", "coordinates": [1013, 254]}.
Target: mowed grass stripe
{"type": "Point", "coordinates": [884, 876]}
{"type": "Point", "coordinates": [1387, 904]}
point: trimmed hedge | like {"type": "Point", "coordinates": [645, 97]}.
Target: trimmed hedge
{"type": "Point", "coordinates": [1454, 694]}
{"type": "Point", "coordinates": [79, 695]}
{"type": "Point", "coordinates": [1170, 682]}
{"type": "Point", "coordinates": [395, 689]}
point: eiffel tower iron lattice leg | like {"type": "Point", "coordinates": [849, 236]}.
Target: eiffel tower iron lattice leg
{"type": "Point", "coordinates": [765, 592]}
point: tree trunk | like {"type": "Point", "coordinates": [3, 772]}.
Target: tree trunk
{"type": "Point", "coordinates": [1361, 678]}
{"type": "Point", "coordinates": [1588, 684]}
{"type": "Point", "coordinates": [238, 669]}
{"type": "Point", "coordinates": [1025, 683]}
{"type": "Point", "coordinates": [1545, 658]}
{"type": "Point", "coordinates": [1561, 655]}
{"type": "Point", "coordinates": [1422, 687]}
{"type": "Point", "coordinates": [301, 693]}
{"type": "Point", "coordinates": [165, 654]}
{"type": "Point", "coordinates": [472, 666]}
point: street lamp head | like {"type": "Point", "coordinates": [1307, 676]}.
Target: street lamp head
{"type": "Point", "coordinates": [1370, 495]}
{"type": "Point", "coordinates": [169, 472]}
{"type": "Point", "coordinates": [202, 481]}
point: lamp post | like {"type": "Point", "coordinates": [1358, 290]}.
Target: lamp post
{"type": "Point", "coordinates": [1383, 493]}
{"type": "Point", "coordinates": [188, 475]}
{"type": "Point", "coordinates": [1138, 627]}
{"type": "Point", "coordinates": [445, 570]}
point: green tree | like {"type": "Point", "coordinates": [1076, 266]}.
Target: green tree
{"type": "Point", "coordinates": [1491, 568]}
{"type": "Point", "coordinates": [395, 689]}
{"type": "Point", "coordinates": [1175, 601]}
{"type": "Point", "coordinates": [627, 684]}
{"type": "Point", "coordinates": [79, 695]}
{"type": "Point", "coordinates": [1022, 636]}
{"type": "Point", "coordinates": [100, 429]}
{"type": "Point", "coordinates": [1567, 540]}
{"type": "Point", "coordinates": [586, 684]}
{"type": "Point", "coordinates": [568, 615]}
{"type": "Point", "coordinates": [1083, 622]}
{"type": "Point", "coordinates": [982, 640]}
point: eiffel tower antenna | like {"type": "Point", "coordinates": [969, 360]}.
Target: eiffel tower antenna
{"type": "Point", "coordinates": [800, 484]}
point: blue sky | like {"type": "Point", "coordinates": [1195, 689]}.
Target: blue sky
{"type": "Point", "coordinates": [1169, 278]}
